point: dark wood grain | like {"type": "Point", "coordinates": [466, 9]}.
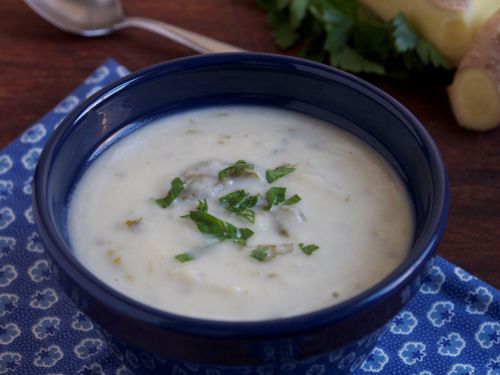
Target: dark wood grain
{"type": "Point", "coordinates": [39, 65]}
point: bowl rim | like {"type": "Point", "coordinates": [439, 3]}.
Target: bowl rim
{"type": "Point", "coordinates": [421, 252]}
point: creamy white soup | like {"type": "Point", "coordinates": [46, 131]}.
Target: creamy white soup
{"type": "Point", "coordinates": [240, 213]}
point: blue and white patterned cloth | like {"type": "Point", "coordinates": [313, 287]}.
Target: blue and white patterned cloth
{"type": "Point", "coordinates": [452, 327]}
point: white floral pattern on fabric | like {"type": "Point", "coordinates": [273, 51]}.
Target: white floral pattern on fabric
{"type": "Point", "coordinates": [7, 245]}
{"type": "Point", "coordinates": [30, 158]}
{"type": "Point", "coordinates": [478, 300]}
{"type": "Point", "coordinates": [488, 335]}
{"type": "Point", "coordinates": [8, 274]}
{"type": "Point", "coordinates": [404, 323]}
{"type": "Point", "coordinates": [440, 313]}
{"type": "Point", "coordinates": [375, 361]}
{"type": "Point", "coordinates": [7, 217]}
{"type": "Point", "coordinates": [10, 362]}
{"type": "Point", "coordinates": [8, 333]}
{"type": "Point", "coordinates": [6, 189]}
{"type": "Point", "coordinates": [48, 356]}
{"type": "Point", "coordinates": [33, 134]}
{"type": "Point", "coordinates": [5, 163]}
{"type": "Point", "coordinates": [39, 271]}
{"type": "Point", "coordinates": [463, 275]}
{"type": "Point", "coordinates": [34, 245]}
{"type": "Point", "coordinates": [45, 327]}
{"type": "Point", "coordinates": [433, 281]}
{"type": "Point", "coordinates": [451, 345]}
{"type": "Point", "coordinates": [451, 327]}
{"type": "Point", "coordinates": [44, 299]}
{"type": "Point", "coordinates": [99, 75]}
{"type": "Point", "coordinates": [67, 105]}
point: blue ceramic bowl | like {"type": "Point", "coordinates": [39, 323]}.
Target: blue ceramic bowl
{"type": "Point", "coordinates": [335, 339]}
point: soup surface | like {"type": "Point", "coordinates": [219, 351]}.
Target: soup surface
{"type": "Point", "coordinates": [240, 213]}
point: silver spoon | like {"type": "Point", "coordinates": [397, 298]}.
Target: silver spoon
{"type": "Point", "coordinates": [101, 17]}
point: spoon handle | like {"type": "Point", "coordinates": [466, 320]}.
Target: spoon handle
{"type": "Point", "coordinates": [187, 38]}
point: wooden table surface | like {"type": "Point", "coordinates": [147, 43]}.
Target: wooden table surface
{"type": "Point", "coordinates": [39, 65]}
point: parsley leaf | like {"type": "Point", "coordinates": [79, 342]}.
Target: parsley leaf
{"type": "Point", "coordinates": [429, 55]}
{"type": "Point", "coordinates": [405, 38]}
{"type": "Point", "coordinates": [239, 169]}
{"type": "Point", "coordinates": [261, 253]}
{"type": "Point", "coordinates": [216, 227]}
{"type": "Point", "coordinates": [176, 188]}
{"type": "Point", "coordinates": [308, 249]}
{"type": "Point", "coordinates": [267, 252]}
{"type": "Point", "coordinates": [240, 202]}
{"type": "Point", "coordinates": [348, 59]}
{"type": "Point", "coordinates": [298, 11]}
{"type": "Point", "coordinates": [273, 174]}
{"type": "Point", "coordinates": [275, 196]}
{"type": "Point", "coordinates": [184, 257]}
{"type": "Point", "coordinates": [292, 200]}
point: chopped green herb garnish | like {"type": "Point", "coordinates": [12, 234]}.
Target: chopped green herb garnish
{"type": "Point", "coordinates": [247, 214]}
{"type": "Point", "coordinates": [268, 252]}
{"type": "Point", "coordinates": [261, 253]}
{"type": "Point", "coordinates": [132, 223]}
{"type": "Point", "coordinates": [292, 200]}
{"type": "Point", "coordinates": [239, 169]}
{"type": "Point", "coordinates": [245, 234]}
{"type": "Point", "coordinates": [232, 199]}
{"type": "Point", "coordinates": [222, 230]}
{"type": "Point", "coordinates": [240, 202]}
{"type": "Point", "coordinates": [275, 196]}
{"type": "Point", "coordinates": [176, 188]}
{"type": "Point", "coordinates": [273, 175]}
{"type": "Point", "coordinates": [184, 257]}
{"type": "Point", "coordinates": [308, 249]}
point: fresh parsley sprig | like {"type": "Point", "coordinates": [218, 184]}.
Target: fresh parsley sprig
{"type": "Point", "coordinates": [216, 227]}
{"type": "Point", "coordinates": [349, 36]}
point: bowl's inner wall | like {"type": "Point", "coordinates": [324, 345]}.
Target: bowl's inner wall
{"type": "Point", "coordinates": [320, 93]}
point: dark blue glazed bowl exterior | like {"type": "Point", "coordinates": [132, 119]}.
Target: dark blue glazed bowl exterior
{"type": "Point", "coordinates": [334, 340]}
